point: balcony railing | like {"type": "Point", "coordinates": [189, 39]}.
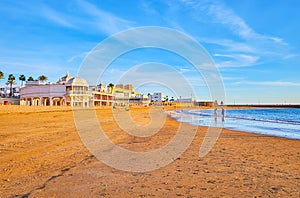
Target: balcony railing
{"type": "Point", "coordinates": [75, 92]}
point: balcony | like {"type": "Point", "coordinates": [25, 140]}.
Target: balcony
{"type": "Point", "coordinates": [78, 92]}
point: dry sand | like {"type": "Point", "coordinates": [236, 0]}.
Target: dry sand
{"type": "Point", "coordinates": [41, 155]}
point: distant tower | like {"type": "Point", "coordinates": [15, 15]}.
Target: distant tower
{"type": "Point", "coordinates": [64, 79]}
{"type": "Point", "coordinates": [129, 87]}
{"type": "Point", "coordinates": [102, 87]}
{"type": "Point", "coordinates": [121, 86]}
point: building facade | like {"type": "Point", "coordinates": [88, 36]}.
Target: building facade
{"type": "Point", "coordinates": [157, 97]}
{"type": "Point", "coordinates": [43, 95]}
{"type": "Point", "coordinates": [67, 91]}
{"type": "Point", "coordinates": [77, 93]}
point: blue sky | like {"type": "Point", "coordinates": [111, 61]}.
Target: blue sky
{"type": "Point", "coordinates": [255, 44]}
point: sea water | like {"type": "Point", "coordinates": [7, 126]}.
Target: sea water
{"type": "Point", "coordinates": [281, 122]}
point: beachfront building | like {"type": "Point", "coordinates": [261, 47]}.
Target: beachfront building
{"type": "Point", "coordinates": [139, 100]}
{"type": "Point", "coordinates": [185, 100]}
{"type": "Point", "coordinates": [129, 87]}
{"type": "Point", "coordinates": [5, 91]}
{"type": "Point", "coordinates": [157, 97]}
{"type": "Point", "coordinates": [67, 91]}
{"type": "Point", "coordinates": [124, 95]}
{"type": "Point", "coordinates": [205, 103]}
{"type": "Point", "coordinates": [130, 99]}
{"type": "Point", "coordinates": [77, 93]}
{"type": "Point", "coordinates": [101, 88]}
{"type": "Point", "coordinates": [6, 98]}
{"type": "Point", "coordinates": [121, 88]}
{"type": "Point", "coordinates": [101, 96]}
{"type": "Point", "coordinates": [42, 95]}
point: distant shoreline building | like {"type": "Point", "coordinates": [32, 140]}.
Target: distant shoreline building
{"type": "Point", "coordinates": [125, 95]}
{"type": "Point", "coordinates": [157, 97]}
{"type": "Point", "coordinates": [75, 91]}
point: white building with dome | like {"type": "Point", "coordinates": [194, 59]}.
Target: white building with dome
{"type": "Point", "coordinates": [77, 93]}
{"type": "Point", "coordinates": [67, 91]}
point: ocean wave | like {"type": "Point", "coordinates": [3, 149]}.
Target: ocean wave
{"type": "Point", "coordinates": [228, 115]}
{"type": "Point", "coordinates": [260, 121]}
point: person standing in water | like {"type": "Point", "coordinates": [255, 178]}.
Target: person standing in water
{"type": "Point", "coordinates": [216, 111]}
{"type": "Point", "coordinates": [223, 112]}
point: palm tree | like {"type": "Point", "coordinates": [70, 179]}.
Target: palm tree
{"type": "Point", "coordinates": [22, 78]}
{"type": "Point", "coordinates": [1, 75]}
{"type": "Point", "coordinates": [111, 87]}
{"type": "Point", "coordinates": [30, 78]}
{"type": "Point", "coordinates": [43, 78]}
{"type": "Point", "coordinates": [10, 81]}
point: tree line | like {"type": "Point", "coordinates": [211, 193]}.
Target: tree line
{"type": "Point", "coordinates": [11, 80]}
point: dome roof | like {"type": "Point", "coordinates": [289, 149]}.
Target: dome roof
{"type": "Point", "coordinates": [77, 81]}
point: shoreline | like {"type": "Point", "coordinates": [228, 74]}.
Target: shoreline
{"type": "Point", "coordinates": [264, 106]}
{"type": "Point", "coordinates": [42, 155]}
{"type": "Point", "coordinates": [4, 109]}
{"type": "Point", "coordinates": [239, 125]}
{"type": "Point", "coordinates": [46, 109]}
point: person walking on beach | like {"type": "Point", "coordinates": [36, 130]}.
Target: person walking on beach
{"type": "Point", "coordinates": [216, 113]}
{"type": "Point", "coordinates": [223, 114]}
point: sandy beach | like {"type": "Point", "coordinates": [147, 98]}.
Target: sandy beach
{"type": "Point", "coordinates": [42, 155]}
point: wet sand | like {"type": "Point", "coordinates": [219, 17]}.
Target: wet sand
{"type": "Point", "coordinates": [42, 155]}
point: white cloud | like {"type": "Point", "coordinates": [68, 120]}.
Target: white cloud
{"type": "Point", "coordinates": [57, 17]}
{"type": "Point", "coordinates": [185, 70]}
{"type": "Point", "coordinates": [87, 16]}
{"type": "Point", "coordinates": [252, 48]}
{"type": "Point", "coordinates": [77, 56]}
{"type": "Point", "coordinates": [236, 60]}
{"type": "Point", "coordinates": [229, 45]}
{"type": "Point", "coordinates": [230, 78]}
{"type": "Point", "coordinates": [220, 13]}
{"type": "Point", "coordinates": [13, 63]}
{"type": "Point", "coordinates": [147, 7]}
{"type": "Point", "coordinates": [268, 83]}
{"type": "Point", "coordinates": [288, 56]}
{"type": "Point", "coordinates": [105, 21]}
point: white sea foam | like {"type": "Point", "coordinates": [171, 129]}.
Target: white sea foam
{"type": "Point", "coordinates": [274, 122]}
